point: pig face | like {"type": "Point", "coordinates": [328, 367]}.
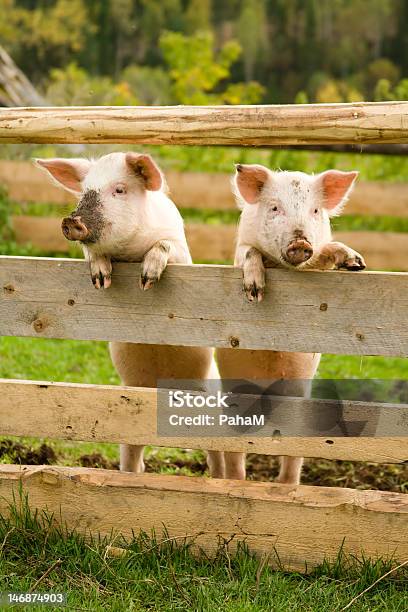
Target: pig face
{"type": "Point", "coordinates": [111, 191]}
{"type": "Point", "coordinates": [287, 214]}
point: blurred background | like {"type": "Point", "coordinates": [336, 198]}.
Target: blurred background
{"type": "Point", "coordinates": [165, 52]}
{"type": "Point", "coordinates": [202, 51]}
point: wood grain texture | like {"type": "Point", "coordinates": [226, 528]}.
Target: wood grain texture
{"type": "Point", "coordinates": [382, 250]}
{"type": "Point", "coordinates": [27, 183]}
{"type": "Point", "coordinates": [360, 122]}
{"type": "Point", "coordinates": [365, 313]}
{"type": "Point", "coordinates": [128, 415]}
{"type": "Point", "coordinates": [300, 526]}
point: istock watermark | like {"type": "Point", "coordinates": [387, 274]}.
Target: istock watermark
{"type": "Point", "coordinates": [322, 408]}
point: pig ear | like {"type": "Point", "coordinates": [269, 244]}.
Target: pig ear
{"type": "Point", "coordinates": [335, 188]}
{"type": "Point", "coordinates": [249, 181]}
{"type": "Point", "coordinates": [66, 172]}
{"type": "Point", "coordinates": [145, 167]}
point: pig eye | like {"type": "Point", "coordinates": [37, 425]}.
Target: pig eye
{"type": "Point", "coordinates": [275, 208]}
{"type": "Point", "coordinates": [316, 210]}
{"type": "Point", "coordinates": [120, 190]}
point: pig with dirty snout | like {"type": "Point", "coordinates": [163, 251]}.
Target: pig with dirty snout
{"type": "Point", "coordinates": [285, 223]}
{"type": "Point", "coordinates": [124, 214]}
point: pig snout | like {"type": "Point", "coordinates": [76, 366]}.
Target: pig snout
{"type": "Point", "coordinates": [298, 251]}
{"type": "Point", "coordinates": [74, 228]}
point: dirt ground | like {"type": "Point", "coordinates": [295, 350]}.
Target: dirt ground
{"type": "Point", "coordinates": [354, 474]}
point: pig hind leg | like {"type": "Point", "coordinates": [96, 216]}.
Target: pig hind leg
{"type": "Point", "coordinates": [294, 370]}
{"type": "Point", "coordinates": [142, 365]}
{"type": "Point", "coordinates": [290, 470]}
{"type": "Point", "coordinates": [131, 458]}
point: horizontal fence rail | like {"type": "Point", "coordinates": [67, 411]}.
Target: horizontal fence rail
{"type": "Point", "coordinates": [128, 415]}
{"type": "Point", "coordinates": [362, 313]}
{"type": "Point", "coordinates": [353, 123]}
{"type": "Point", "coordinates": [294, 527]}
{"type": "Point", "coordinates": [26, 183]}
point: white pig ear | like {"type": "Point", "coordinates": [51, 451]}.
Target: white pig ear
{"type": "Point", "coordinates": [66, 172]}
{"type": "Point", "coordinates": [335, 187]}
{"type": "Point", "coordinates": [146, 168]}
{"type": "Point", "coordinates": [249, 181]}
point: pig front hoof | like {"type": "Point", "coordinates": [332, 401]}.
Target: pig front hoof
{"type": "Point", "coordinates": [254, 292]}
{"type": "Point", "coordinates": [352, 261]}
{"type": "Point", "coordinates": [101, 280]}
{"type": "Point", "coordinates": [101, 272]}
{"type": "Point", "coordinates": [146, 282]}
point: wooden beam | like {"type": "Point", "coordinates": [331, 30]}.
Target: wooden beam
{"type": "Point", "coordinates": [355, 123]}
{"type": "Point", "coordinates": [97, 413]}
{"type": "Point", "coordinates": [364, 313]}
{"type": "Point", "coordinates": [382, 250]}
{"type": "Point", "coordinates": [41, 232]}
{"type": "Point", "coordinates": [199, 190]}
{"type": "Point", "coordinates": [298, 527]}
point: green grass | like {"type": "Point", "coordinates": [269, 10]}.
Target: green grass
{"type": "Point", "coordinates": [150, 576]}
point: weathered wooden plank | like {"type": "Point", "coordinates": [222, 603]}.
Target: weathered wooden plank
{"type": "Point", "coordinates": [360, 122]}
{"type": "Point", "coordinates": [382, 250]}
{"type": "Point", "coordinates": [298, 526]}
{"type": "Point", "coordinates": [41, 232]}
{"type": "Point", "coordinates": [364, 313]}
{"type": "Point", "coordinates": [378, 198]}
{"type": "Point", "coordinates": [129, 415]}
{"type": "Point", "coordinates": [26, 183]}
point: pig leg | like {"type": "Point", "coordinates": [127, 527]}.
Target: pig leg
{"type": "Point", "coordinates": [154, 263]}
{"type": "Point", "coordinates": [142, 365]}
{"type": "Point", "coordinates": [295, 370]}
{"type": "Point", "coordinates": [235, 466]}
{"type": "Point", "coordinates": [101, 269]}
{"type": "Point", "coordinates": [339, 256]}
{"type": "Point", "coordinates": [216, 464]}
{"type": "Point", "coordinates": [131, 458]}
{"type": "Point", "coordinates": [290, 470]}
{"type": "Point", "coordinates": [251, 262]}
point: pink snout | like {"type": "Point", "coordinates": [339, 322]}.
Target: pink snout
{"type": "Point", "coordinates": [298, 252]}
{"type": "Point", "coordinates": [74, 229]}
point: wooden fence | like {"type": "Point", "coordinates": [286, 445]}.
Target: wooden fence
{"type": "Point", "coordinates": [363, 314]}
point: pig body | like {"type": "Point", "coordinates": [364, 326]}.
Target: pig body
{"type": "Point", "coordinates": [124, 214]}
{"type": "Point", "coordinates": [285, 222]}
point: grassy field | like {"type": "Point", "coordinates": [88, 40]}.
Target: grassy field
{"type": "Point", "coordinates": [149, 576]}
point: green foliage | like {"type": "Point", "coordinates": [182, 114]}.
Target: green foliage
{"type": "Point", "coordinates": [151, 86]}
{"type": "Point", "coordinates": [46, 30]}
{"type": "Point", "coordinates": [331, 51]}
{"type": "Point", "coordinates": [73, 86]}
{"type": "Point", "coordinates": [196, 70]}
{"type": "Point", "coordinates": [252, 34]}
{"type": "Point", "coordinates": [385, 91]}
{"type": "Point", "coordinates": [6, 232]}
